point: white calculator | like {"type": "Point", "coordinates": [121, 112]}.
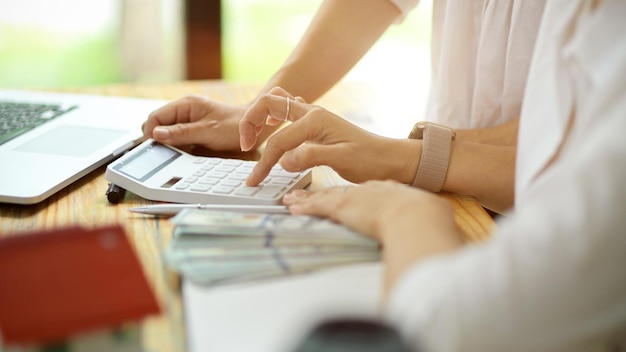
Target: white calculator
{"type": "Point", "coordinates": [162, 173]}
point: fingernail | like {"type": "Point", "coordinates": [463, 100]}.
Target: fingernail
{"type": "Point", "coordinates": [295, 209]}
{"type": "Point", "coordinates": [242, 144]}
{"type": "Point", "coordinates": [161, 133]}
{"type": "Point", "coordinates": [289, 197]}
{"type": "Point", "coordinates": [295, 195]}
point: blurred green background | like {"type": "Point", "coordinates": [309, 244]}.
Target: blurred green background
{"type": "Point", "coordinates": [76, 42]}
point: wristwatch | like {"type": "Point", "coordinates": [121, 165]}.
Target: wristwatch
{"type": "Point", "coordinates": [433, 165]}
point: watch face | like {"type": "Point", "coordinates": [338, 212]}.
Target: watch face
{"type": "Point", "coordinates": [418, 131]}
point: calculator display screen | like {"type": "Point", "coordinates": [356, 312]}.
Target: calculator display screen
{"type": "Point", "coordinates": [148, 161]}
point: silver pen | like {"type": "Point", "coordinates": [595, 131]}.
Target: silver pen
{"type": "Point", "coordinates": [173, 209]}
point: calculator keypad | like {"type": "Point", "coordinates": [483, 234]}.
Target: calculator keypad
{"type": "Point", "coordinates": [228, 177]}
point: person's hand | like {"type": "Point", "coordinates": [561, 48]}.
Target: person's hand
{"type": "Point", "coordinates": [411, 224]}
{"type": "Point", "coordinates": [195, 120]}
{"type": "Point", "coordinates": [374, 208]}
{"type": "Point", "coordinates": [319, 137]}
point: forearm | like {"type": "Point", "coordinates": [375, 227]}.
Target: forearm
{"type": "Point", "coordinates": [486, 172]}
{"type": "Point", "coordinates": [505, 134]}
{"type": "Point", "coordinates": [412, 234]}
{"type": "Point", "coordinates": [339, 35]}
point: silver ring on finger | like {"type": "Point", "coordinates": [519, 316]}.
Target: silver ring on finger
{"type": "Point", "coordinates": [287, 111]}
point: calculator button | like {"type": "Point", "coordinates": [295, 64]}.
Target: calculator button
{"type": "Point", "coordinates": [232, 162]}
{"type": "Point", "coordinates": [225, 168]}
{"type": "Point", "coordinates": [199, 161]}
{"type": "Point", "coordinates": [210, 180]}
{"type": "Point", "coordinates": [199, 173]}
{"type": "Point", "coordinates": [200, 187]}
{"type": "Point", "coordinates": [239, 177]}
{"type": "Point", "coordinates": [222, 190]}
{"type": "Point", "coordinates": [230, 183]}
{"type": "Point", "coordinates": [247, 191]}
{"type": "Point", "coordinates": [263, 194]}
{"type": "Point", "coordinates": [270, 191]}
{"type": "Point", "coordinates": [284, 181]}
{"type": "Point", "coordinates": [213, 161]}
{"type": "Point", "coordinates": [282, 173]}
{"type": "Point", "coordinates": [245, 168]}
{"type": "Point", "coordinates": [190, 179]}
{"type": "Point", "coordinates": [218, 174]}
{"type": "Point", "coordinates": [182, 185]}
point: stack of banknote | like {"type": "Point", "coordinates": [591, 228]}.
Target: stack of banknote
{"type": "Point", "coordinates": [215, 247]}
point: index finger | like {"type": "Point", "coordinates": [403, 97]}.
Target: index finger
{"type": "Point", "coordinates": [283, 141]}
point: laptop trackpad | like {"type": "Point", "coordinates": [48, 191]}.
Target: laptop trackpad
{"type": "Point", "coordinates": [74, 141]}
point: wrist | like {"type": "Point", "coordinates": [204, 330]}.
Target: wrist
{"type": "Point", "coordinates": [407, 165]}
{"type": "Point", "coordinates": [435, 154]}
{"type": "Point", "coordinates": [431, 227]}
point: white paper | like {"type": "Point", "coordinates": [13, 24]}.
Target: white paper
{"type": "Point", "coordinates": [275, 315]}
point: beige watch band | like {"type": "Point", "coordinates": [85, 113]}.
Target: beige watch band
{"type": "Point", "coordinates": [433, 165]}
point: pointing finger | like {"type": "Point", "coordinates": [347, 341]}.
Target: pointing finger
{"type": "Point", "coordinates": [307, 128]}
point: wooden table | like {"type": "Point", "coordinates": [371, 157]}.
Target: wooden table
{"type": "Point", "coordinates": [84, 202]}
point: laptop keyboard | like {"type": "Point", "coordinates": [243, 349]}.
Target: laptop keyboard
{"type": "Point", "coordinates": [18, 118]}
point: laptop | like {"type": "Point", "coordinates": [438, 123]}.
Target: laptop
{"type": "Point", "coordinates": [49, 140]}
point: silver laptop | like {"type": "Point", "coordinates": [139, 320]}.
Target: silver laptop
{"type": "Point", "coordinates": [49, 140]}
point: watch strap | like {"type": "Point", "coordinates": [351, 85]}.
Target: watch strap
{"type": "Point", "coordinates": [433, 166]}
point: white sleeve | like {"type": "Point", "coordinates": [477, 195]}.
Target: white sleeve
{"type": "Point", "coordinates": [553, 276]}
{"type": "Point", "coordinates": [552, 279]}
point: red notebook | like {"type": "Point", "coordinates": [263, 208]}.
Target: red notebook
{"type": "Point", "coordinates": [59, 283]}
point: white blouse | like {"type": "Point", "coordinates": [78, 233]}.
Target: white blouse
{"type": "Point", "coordinates": [553, 276]}
{"type": "Point", "coordinates": [481, 51]}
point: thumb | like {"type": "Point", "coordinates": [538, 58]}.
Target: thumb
{"type": "Point", "coordinates": [179, 134]}
{"type": "Point", "coordinates": [304, 157]}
